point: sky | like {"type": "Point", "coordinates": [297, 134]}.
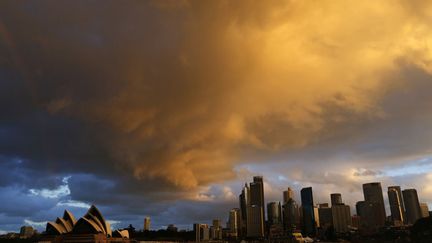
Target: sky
{"type": "Point", "coordinates": [166, 108]}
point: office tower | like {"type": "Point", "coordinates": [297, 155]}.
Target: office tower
{"type": "Point", "coordinates": [288, 194]}
{"type": "Point", "coordinates": [233, 222]}
{"type": "Point", "coordinates": [412, 205]}
{"type": "Point", "coordinates": [244, 200]}
{"type": "Point", "coordinates": [336, 198]}
{"type": "Point", "coordinates": [341, 214]}
{"type": "Point", "coordinates": [202, 232]}
{"type": "Point", "coordinates": [355, 221]}
{"type": "Point", "coordinates": [316, 216]}
{"type": "Point", "coordinates": [424, 208]}
{"type": "Point", "coordinates": [216, 230]}
{"type": "Point", "coordinates": [396, 208]}
{"type": "Point", "coordinates": [399, 192]}
{"type": "Point", "coordinates": [325, 216]}
{"type": "Point", "coordinates": [370, 215]}
{"type": "Point", "coordinates": [255, 219]}
{"type": "Point", "coordinates": [274, 213]}
{"type": "Point", "coordinates": [257, 192]}
{"type": "Point", "coordinates": [217, 223]}
{"type": "Point", "coordinates": [374, 197]}
{"type": "Point", "coordinates": [308, 211]}
{"type": "Point", "coordinates": [146, 223]}
{"type": "Point", "coordinates": [291, 216]}
{"type": "Point", "coordinates": [255, 224]}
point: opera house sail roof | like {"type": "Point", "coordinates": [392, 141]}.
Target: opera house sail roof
{"type": "Point", "coordinates": [91, 223]}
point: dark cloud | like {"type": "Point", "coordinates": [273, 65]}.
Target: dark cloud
{"type": "Point", "coordinates": [146, 106]}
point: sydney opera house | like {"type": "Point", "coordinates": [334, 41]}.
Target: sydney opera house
{"type": "Point", "coordinates": [92, 227]}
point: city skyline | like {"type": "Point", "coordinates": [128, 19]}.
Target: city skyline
{"type": "Point", "coordinates": [165, 109]}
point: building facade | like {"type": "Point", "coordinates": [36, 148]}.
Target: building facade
{"type": "Point", "coordinates": [412, 205]}
{"type": "Point", "coordinates": [308, 211]}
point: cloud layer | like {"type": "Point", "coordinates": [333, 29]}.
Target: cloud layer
{"type": "Point", "coordinates": [151, 103]}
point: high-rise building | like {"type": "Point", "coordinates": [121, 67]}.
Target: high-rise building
{"type": "Point", "coordinates": [341, 214]}
{"type": "Point", "coordinates": [399, 192]}
{"type": "Point", "coordinates": [374, 197]}
{"type": "Point", "coordinates": [336, 198]}
{"type": "Point", "coordinates": [146, 223]}
{"type": "Point", "coordinates": [367, 211]}
{"type": "Point", "coordinates": [233, 222]}
{"type": "Point", "coordinates": [325, 216]}
{"type": "Point", "coordinates": [244, 200]}
{"type": "Point", "coordinates": [255, 223]}
{"type": "Point", "coordinates": [287, 195]}
{"type": "Point", "coordinates": [202, 232]}
{"type": "Point", "coordinates": [252, 208]}
{"type": "Point", "coordinates": [316, 216]}
{"type": "Point", "coordinates": [412, 205]}
{"type": "Point", "coordinates": [274, 213]}
{"type": "Point", "coordinates": [396, 205]}
{"type": "Point", "coordinates": [257, 192]}
{"type": "Point", "coordinates": [291, 217]}
{"type": "Point", "coordinates": [308, 211]}
{"type": "Point", "coordinates": [424, 208]}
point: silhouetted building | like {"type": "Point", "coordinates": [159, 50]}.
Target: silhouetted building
{"type": "Point", "coordinates": [255, 224]}
{"type": "Point", "coordinates": [233, 222]}
{"type": "Point", "coordinates": [146, 223]}
{"type": "Point", "coordinates": [396, 205]}
{"type": "Point", "coordinates": [325, 216]}
{"type": "Point", "coordinates": [341, 214]}
{"type": "Point", "coordinates": [288, 194]}
{"type": "Point", "coordinates": [26, 232]}
{"type": "Point", "coordinates": [308, 211]}
{"type": "Point", "coordinates": [255, 209]}
{"type": "Point", "coordinates": [172, 228]}
{"type": "Point", "coordinates": [336, 198]}
{"type": "Point", "coordinates": [412, 205]}
{"type": "Point", "coordinates": [257, 192]}
{"type": "Point", "coordinates": [373, 195]}
{"type": "Point", "coordinates": [424, 208]}
{"type": "Point", "coordinates": [274, 213]}
{"type": "Point", "coordinates": [244, 200]}
{"type": "Point", "coordinates": [291, 217]}
{"type": "Point", "coordinates": [202, 232]}
{"type": "Point", "coordinates": [316, 217]}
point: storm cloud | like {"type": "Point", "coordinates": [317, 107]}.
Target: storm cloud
{"type": "Point", "coordinates": [165, 108]}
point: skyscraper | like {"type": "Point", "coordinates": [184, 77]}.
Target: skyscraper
{"type": "Point", "coordinates": [274, 213]}
{"type": "Point", "coordinates": [374, 197]}
{"type": "Point", "coordinates": [288, 194]}
{"type": "Point", "coordinates": [424, 208]}
{"type": "Point", "coordinates": [336, 198]}
{"type": "Point", "coordinates": [244, 200]}
{"type": "Point", "coordinates": [233, 222]}
{"type": "Point", "coordinates": [412, 205]}
{"type": "Point", "coordinates": [255, 219]}
{"type": "Point", "coordinates": [396, 205]}
{"type": "Point", "coordinates": [255, 224]}
{"type": "Point", "coordinates": [146, 223]}
{"type": "Point", "coordinates": [341, 214]}
{"type": "Point", "coordinates": [257, 192]}
{"type": "Point", "coordinates": [252, 208]}
{"type": "Point", "coordinates": [202, 232]}
{"type": "Point", "coordinates": [291, 216]}
{"type": "Point", "coordinates": [308, 211]}
{"type": "Point", "coordinates": [325, 216]}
